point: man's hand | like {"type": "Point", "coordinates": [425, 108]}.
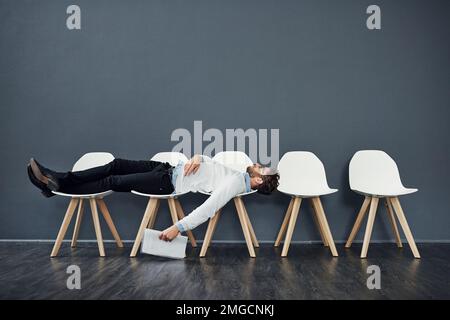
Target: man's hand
{"type": "Point", "coordinates": [169, 234]}
{"type": "Point", "coordinates": [192, 165]}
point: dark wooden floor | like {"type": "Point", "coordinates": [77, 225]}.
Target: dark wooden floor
{"type": "Point", "coordinates": [27, 272]}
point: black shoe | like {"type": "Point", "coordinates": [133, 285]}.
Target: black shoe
{"type": "Point", "coordinates": [47, 179]}
{"type": "Point", "coordinates": [46, 171]}
{"type": "Point", "coordinates": [44, 190]}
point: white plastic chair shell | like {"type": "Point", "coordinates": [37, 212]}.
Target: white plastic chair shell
{"type": "Point", "coordinates": [91, 160]}
{"type": "Point", "coordinates": [88, 161]}
{"type": "Point", "coordinates": [84, 196]}
{"type": "Point", "coordinates": [239, 195]}
{"type": "Point", "coordinates": [159, 196]}
{"type": "Point", "coordinates": [236, 160]}
{"type": "Point", "coordinates": [303, 174]}
{"type": "Point", "coordinates": [375, 173]}
{"type": "Point", "coordinates": [171, 157]}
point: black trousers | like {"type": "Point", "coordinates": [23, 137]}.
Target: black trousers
{"type": "Point", "coordinates": [120, 175]}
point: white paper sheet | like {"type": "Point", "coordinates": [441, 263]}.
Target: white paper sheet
{"type": "Point", "coordinates": [151, 244]}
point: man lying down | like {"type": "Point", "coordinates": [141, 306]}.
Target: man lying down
{"type": "Point", "coordinates": [153, 177]}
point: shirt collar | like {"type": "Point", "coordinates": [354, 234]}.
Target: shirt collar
{"type": "Point", "coordinates": [247, 182]}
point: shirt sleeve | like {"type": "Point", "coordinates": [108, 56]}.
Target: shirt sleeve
{"type": "Point", "coordinates": [226, 191]}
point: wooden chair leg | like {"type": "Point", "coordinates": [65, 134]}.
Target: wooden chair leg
{"type": "Point", "coordinates": [359, 219]}
{"type": "Point", "coordinates": [218, 213]}
{"type": "Point", "coordinates": [370, 220]}
{"type": "Point", "coordinates": [326, 227]}
{"type": "Point", "coordinates": [173, 210]}
{"type": "Point", "coordinates": [250, 227]}
{"type": "Point", "coordinates": [151, 221]}
{"type": "Point", "coordinates": [76, 230]}
{"type": "Point", "coordinates": [402, 219]}
{"type": "Point", "coordinates": [245, 228]}
{"type": "Point", "coordinates": [149, 211]}
{"type": "Point", "coordinates": [284, 224]}
{"type": "Point", "coordinates": [65, 224]}
{"type": "Point", "coordinates": [391, 216]}
{"type": "Point", "coordinates": [209, 233]}
{"type": "Point", "coordinates": [180, 214]}
{"type": "Point", "coordinates": [291, 226]}
{"type": "Point", "coordinates": [319, 225]}
{"type": "Point", "coordinates": [98, 230]}
{"type": "Point", "coordinates": [104, 210]}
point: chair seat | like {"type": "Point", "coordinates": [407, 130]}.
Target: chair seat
{"type": "Point", "coordinates": [85, 196]}
{"type": "Point", "coordinates": [238, 195]}
{"type": "Point", "coordinates": [246, 193]}
{"type": "Point", "coordinates": [387, 192]}
{"type": "Point", "coordinates": [308, 193]}
{"type": "Point", "coordinates": [159, 196]}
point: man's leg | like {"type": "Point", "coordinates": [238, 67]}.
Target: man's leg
{"type": "Point", "coordinates": [117, 167]}
{"type": "Point", "coordinates": [153, 182]}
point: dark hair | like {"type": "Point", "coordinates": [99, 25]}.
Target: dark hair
{"type": "Point", "coordinates": [269, 184]}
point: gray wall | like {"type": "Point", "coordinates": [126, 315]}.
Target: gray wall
{"type": "Point", "coordinates": [140, 69]}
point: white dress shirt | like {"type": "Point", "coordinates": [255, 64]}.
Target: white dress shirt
{"type": "Point", "coordinates": [222, 182]}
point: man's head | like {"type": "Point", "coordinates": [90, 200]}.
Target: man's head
{"type": "Point", "coordinates": [263, 179]}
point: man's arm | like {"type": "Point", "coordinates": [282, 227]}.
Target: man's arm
{"type": "Point", "coordinates": [193, 164]}
{"type": "Point", "coordinates": [227, 190]}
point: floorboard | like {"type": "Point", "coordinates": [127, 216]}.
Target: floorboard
{"type": "Point", "coordinates": [309, 272]}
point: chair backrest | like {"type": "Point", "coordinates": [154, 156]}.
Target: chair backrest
{"type": "Point", "coordinates": [91, 160]}
{"type": "Point", "coordinates": [371, 170]}
{"type": "Point", "coordinates": [171, 157]}
{"type": "Point", "coordinates": [236, 160]}
{"type": "Point", "coordinates": [301, 172]}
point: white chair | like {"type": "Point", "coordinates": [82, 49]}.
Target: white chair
{"type": "Point", "coordinates": [374, 174]}
{"type": "Point", "coordinates": [239, 161]}
{"type": "Point", "coordinates": [176, 211]}
{"type": "Point", "coordinates": [302, 175]}
{"type": "Point", "coordinates": [87, 161]}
